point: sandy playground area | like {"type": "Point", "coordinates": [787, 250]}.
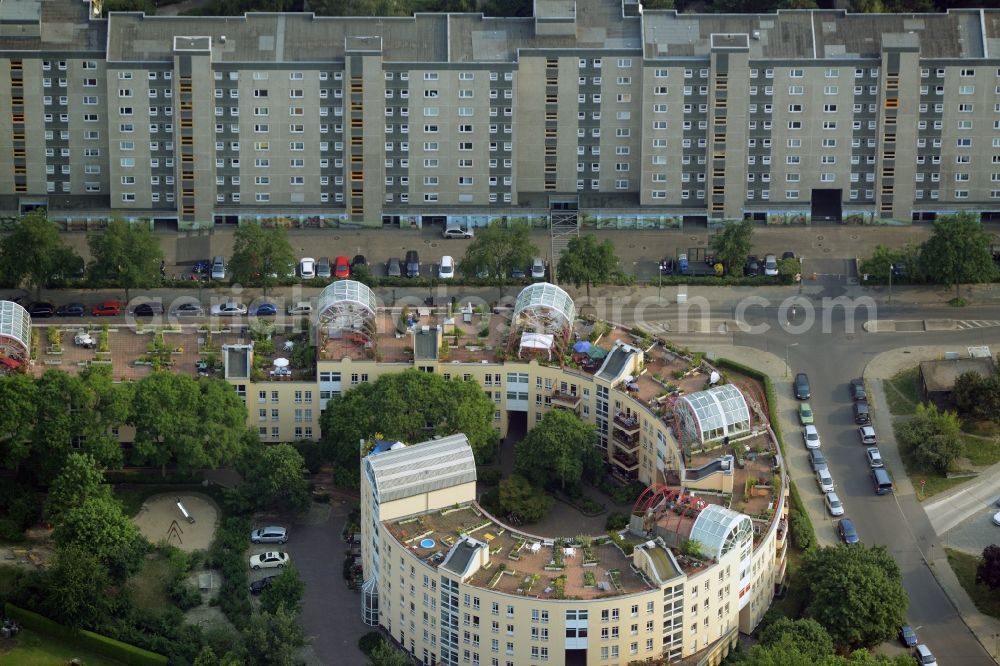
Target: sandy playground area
{"type": "Point", "coordinates": [161, 521]}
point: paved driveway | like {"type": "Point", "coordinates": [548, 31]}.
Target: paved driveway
{"type": "Point", "coordinates": [331, 612]}
{"type": "Point", "coordinates": [961, 517]}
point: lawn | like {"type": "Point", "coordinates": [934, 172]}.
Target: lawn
{"type": "Point", "coordinates": [982, 452]}
{"type": "Point", "coordinates": [32, 649]}
{"type": "Point", "coordinates": [935, 483]}
{"type": "Point", "coordinates": [901, 392]}
{"type": "Point", "coordinates": [7, 574]}
{"type": "Point", "coordinates": [964, 566]}
{"type": "Point", "coordinates": [149, 585]}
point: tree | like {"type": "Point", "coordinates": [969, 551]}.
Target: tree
{"type": "Point", "coordinates": [855, 592]}
{"type": "Point", "coordinates": [99, 526]}
{"type": "Point", "coordinates": [271, 639]}
{"type": "Point", "coordinates": [554, 449]}
{"type": "Point", "coordinates": [286, 592]}
{"type": "Point", "coordinates": [932, 438]}
{"type": "Point", "coordinates": [806, 635]}
{"type": "Point", "coordinates": [988, 571]}
{"type": "Point", "coordinates": [958, 251]}
{"type": "Point", "coordinates": [498, 250]}
{"type": "Point", "coordinates": [977, 396]}
{"type": "Point", "coordinates": [385, 654]}
{"type": "Point", "coordinates": [197, 423]}
{"type": "Point", "coordinates": [733, 244]}
{"type": "Point", "coordinates": [522, 500]}
{"type": "Point", "coordinates": [260, 256]}
{"type": "Point", "coordinates": [585, 261]}
{"type": "Point", "coordinates": [410, 406]}
{"type": "Point", "coordinates": [147, 6]}
{"type": "Point", "coordinates": [78, 586]}
{"type": "Point", "coordinates": [17, 412]}
{"type": "Point", "coordinates": [81, 478]}
{"type": "Point", "coordinates": [126, 255]}
{"type": "Point", "coordinates": [35, 252]}
{"type": "Point", "coordinates": [273, 476]}
{"type": "Point", "coordinates": [880, 264]}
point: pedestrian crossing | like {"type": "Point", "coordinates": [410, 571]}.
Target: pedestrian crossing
{"type": "Point", "coordinates": [965, 324]}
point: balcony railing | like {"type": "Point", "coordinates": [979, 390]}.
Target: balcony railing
{"type": "Point", "coordinates": [629, 444]}
{"type": "Point", "coordinates": [625, 461]}
{"type": "Point", "coordinates": [565, 400]}
{"type": "Point", "coordinates": [626, 423]}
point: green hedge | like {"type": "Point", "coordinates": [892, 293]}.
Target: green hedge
{"type": "Point", "coordinates": [108, 647]}
{"type": "Point", "coordinates": [805, 532]}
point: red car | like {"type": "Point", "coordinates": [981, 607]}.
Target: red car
{"type": "Point", "coordinates": [342, 267]}
{"type": "Point", "coordinates": [107, 309]}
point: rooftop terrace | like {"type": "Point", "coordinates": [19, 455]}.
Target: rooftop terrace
{"type": "Point", "coordinates": [525, 564]}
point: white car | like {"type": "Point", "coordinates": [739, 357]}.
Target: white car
{"type": "Point", "coordinates": [824, 480]}
{"type": "Point", "coordinates": [228, 309]}
{"type": "Point", "coordinates": [770, 265]}
{"type": "Point", "coordinates": [269, 560]}
{"type": "Point", "coordinates": [537, 268]}
{"type": "Point", "coordinates": [307, 268]}
{"type": "Point", "coordinates": [457, 232]}
{"type": "Point", "coordinates": [446, 270]}
{"type": "Point", "coordinates": [300, 308]}
{"type": "Point", "coordinates": [811, 437]}
{"type": "Point", "coordinates": [924, 656]}
{"type": "Point", "coordinates": [833, 505]}
{"type": "Point", "coordinates": [874, 457]}
{"type": "Point", "coordinates": [996, 518]}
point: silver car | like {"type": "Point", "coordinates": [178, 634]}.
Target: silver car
{"type": "Point", "coordinates": [269, 534]}
{"type": "Point", "coordinates": [824, 480]}
{"type": "Point", "coordinates": [537, 269]}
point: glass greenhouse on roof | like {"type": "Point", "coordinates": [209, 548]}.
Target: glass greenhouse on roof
{"type": "Point", "coordinates": [717, 412]}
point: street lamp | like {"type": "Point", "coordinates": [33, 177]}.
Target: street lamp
{"type": "Point", "coordinates": [790, 344]}
{"type": "Point", "coordinates": [892, 267]}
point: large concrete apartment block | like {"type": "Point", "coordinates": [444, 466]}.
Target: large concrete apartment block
{"type": "Point", "coordinates": [650, 117]}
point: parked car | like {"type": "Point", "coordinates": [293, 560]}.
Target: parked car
{"type": "Point", "coordinates": [682, 263]}
{"type": "Point", "coordinates": [188, 310]}
{"type": "Point", "coordinates": [907, 636]}
{"type": "Point", "coordinates": [825, 480]}
{"type": "Point", "coordinates": [300, 308]}
{"type": "Point", "coordinates": [269, 560]}
{"type": "Point", "coordinates": [848, 534]}
{"type": "Point", "coordinates": [228, 309]}
{"type": "Point", "coordinates": [393, 268]}
{"type": "Point", "coordinates": [816, 459]}
{"type": "Point", "coordinates": [874, 457]}
{"type": "Point", "coordinates": [71, 310]}
{"type": "Point", "coordinates": [518, 273]}
{"type": "Point", "coordinates": [150, 309]}
{"type": "Point", "coordinates": [41, 309]}
{"type": "Point", "coordinates": [667, 267]}
{"type": "Point", "coordinates": [862, 415]}
{"type": "Point", "coordinates": [307, 268]}
{"type": "Point", "coordinates": [269, 534]}
{"type": "Point", "coordinates": [770, 265]}
{"type": "Point", "coordinates": [266, 310]}
{"type": "Point", "coordinates": [833, 504]}
{"type": "Point", "coordinates": [341, 267]}
{"type": "Point", "coordinates": [857, 388]}
{"type": "Point", "coordinates": [446, 270]}
{"type": "Point", "coordinates": [84, 339]}
{"type": "Point", "coordinates": [455, 231]}
{"type": "Point", "coordinates": [259, 586]}
{"type": "Point", "coordinates": [787, 254]}
{"type": "Point", "coordinates": [359, 260]}
{"type": "Point", "coordinates": [924, 656]}
{"type": "Point", "coordinates": [412, 264]}
{"type": "Point", "coordinates": [107, 309]}
{"type": "Point", "coordinates": [537, 269]}
{"type": "Point", "coordinates": [805, 413]}
{"type": "Point", "coordinates": [899, 269]}
{"type": "Point", "coordinates": [811, 437]}
{"type": "Point", "coordinates": [867, 435]}
{"type": "Point", "coordinates": [996, 518]}
{"type": "Point", "coordinates": [323, 268]}
{"type": "Point", "coordinates": [801, 386]}
{"type": "Point", "coordinates": [218, 268]}
{"type": "Point", "coordinates": [752, 267]}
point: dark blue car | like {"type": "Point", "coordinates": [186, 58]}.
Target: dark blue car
{"type": "Point", "coordinates": [847, 531]}
{"type": "Point", "coordinates": [907, 636]}
{"type": "Point", "coordinates": [266, 309]}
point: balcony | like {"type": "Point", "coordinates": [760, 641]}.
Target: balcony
{"type": "Point", "coordinates": [625, 461]}
{"type": "Point", "coordinates": [627, 424]}
{"type": "Point", "coordinates": [565, 400]}
{"type": "Point", "coordinates": [628, 444]}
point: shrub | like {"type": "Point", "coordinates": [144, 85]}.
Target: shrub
{"type": "Point", "coordinates": [310, 455]}
{"type": "Point", "coordinates": [616, 521]}
{"type": "Point", "coordinates": [227, 555]}
{"type": "Point", "coordinates": [10, 531]}
{"type": "Point", "coordinates": [800, 530]}
{"type": "Point", "coordinates": [369, 642]}
{"type": "Point", "coordinates": [489, 476]}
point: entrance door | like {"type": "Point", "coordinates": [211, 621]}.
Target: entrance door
{"type": "Point", "coordinates": [826, 205]}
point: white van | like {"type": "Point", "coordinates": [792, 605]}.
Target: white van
{"type": "Point", "coordinates": [446, 270]}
